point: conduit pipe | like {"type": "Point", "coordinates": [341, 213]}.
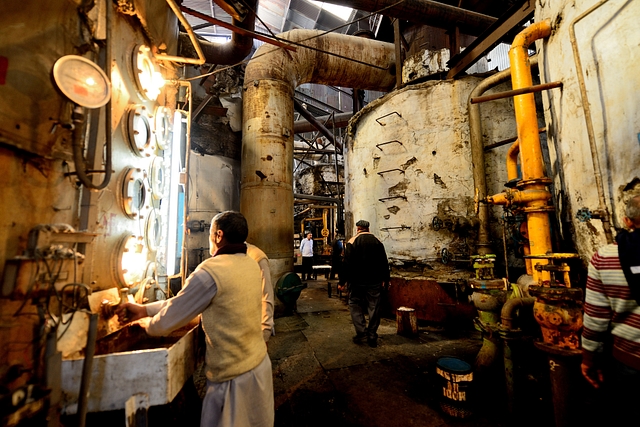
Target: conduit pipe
{"type": "Point", "coordinates": [319, 126]}
{"type": "Point", "coordinates": [266, 197]}
{"type": "Point", "coordinates": [533, 180]}
{"type": "Point", "coordinates": [603, 211]}
{"type": "Point", "coordinates": [512, 161]}
{"type": "Point", "coordinates": [339, 120]}
{"type": "Point", "coordinates": [425, 12]}
{"type": "Point", "coordinates": [507, 315]}
{"type": "Point", "coordinates": [232, 52]}
{"type": "Point", "coordinates": [477, 154]}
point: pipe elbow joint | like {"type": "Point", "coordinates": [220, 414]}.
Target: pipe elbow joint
{"type": "Point", "coordinates": [532, 33]}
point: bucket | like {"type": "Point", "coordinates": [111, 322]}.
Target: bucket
{"type": "Point", "coordinates": [455, 377]}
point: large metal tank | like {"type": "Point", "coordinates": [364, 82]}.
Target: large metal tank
{"type": "Point", "coordinates": [409, 173]}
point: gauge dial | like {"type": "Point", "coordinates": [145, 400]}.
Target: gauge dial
{"type": "Point", "coordinates": [148, 79]}
{"type": "Point", "coordinates": [82, 81]}
{"type": "Point", "coordinates": [138, 129]}
{"type": "Point", "coordinates": [162, 127]}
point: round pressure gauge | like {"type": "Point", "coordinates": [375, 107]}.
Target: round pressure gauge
{"type": "Point", "coordinates": [157, 178]}
{"type": "Point", "coordinates": [130, 260]}
{"type": "Point", "coordinates": [82, 81]}
{"type": "Point", "coordinates": [162, 128]}
{"type": "Point", "coordinates": [153, 231]}
{"type": "Point", "coordinates": [138, 129]}
{"type": "Point", "coordinates": [148, 79]}
{"type": "Point", "coordinates": [134, 192]}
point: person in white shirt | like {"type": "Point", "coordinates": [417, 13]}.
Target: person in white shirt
{"type": "Point", "coordinates": [306, 250]}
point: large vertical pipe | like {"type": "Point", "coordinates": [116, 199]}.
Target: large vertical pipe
{"type": "Point", "coordinates": [530, 150]}
{"type": "Point", "coordinates": [477, 153]}
{"type": "Point", "coordinates": [266, 197]}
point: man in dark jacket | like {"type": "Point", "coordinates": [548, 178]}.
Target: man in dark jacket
{"type": "Point", "coordinates": [365, 269]}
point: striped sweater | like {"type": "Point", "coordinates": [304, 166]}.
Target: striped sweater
{"type": "Point", "coordinates": [609, 306]}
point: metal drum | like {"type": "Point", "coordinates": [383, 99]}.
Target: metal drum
{"type": "Point", "coordinates": [455, 377]}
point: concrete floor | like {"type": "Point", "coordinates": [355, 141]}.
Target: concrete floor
{"type": "Point", "coordinates": [321, 378]}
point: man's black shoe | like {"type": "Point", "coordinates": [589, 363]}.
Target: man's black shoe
{"type": "Point", "coordinates": [373, 342]}
{"type": "Point", "coordinates": [359, 338]}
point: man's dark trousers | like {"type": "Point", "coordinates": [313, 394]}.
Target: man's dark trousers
{"type": "Point", "coordinates": [367, 298]}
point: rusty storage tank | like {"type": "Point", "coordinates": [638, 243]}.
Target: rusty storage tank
{"type": "Point", "coordinates": [408, 171]}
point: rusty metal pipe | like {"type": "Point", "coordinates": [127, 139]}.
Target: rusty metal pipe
{"type": "Point", "coordinates": [266, 198]}
{"type": "Point", "coordinates": [510, 93]}
{"type": "Point", "coordinates": [426, 12]}
{"type": "Point", "coordinates": [595, 158]}
{"type": "Point", "coordinates": [519, 197]}
{"type": "Point", "coordinates": [508, 309]}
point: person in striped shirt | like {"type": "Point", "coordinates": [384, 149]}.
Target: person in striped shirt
{"type": "Point", "coordinates": [612, 314]}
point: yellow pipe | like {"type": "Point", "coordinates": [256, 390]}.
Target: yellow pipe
{"type": "Point", "coordinates": [512, 161]}
{"type": "Point", "coordinates": [530, 151]}
{"type": "Point", "coordinates": [525, 105]}
{"type": "Point", "coordinates": [517, 197]}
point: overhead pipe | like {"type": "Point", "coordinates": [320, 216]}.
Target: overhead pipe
{"type": "Point", "coordinates": [477, 154]}
{"type": "Point", "coordinates": [339, 120]}
{"type": "Point", "coordinates": [603, 211]}
{"type": "Point", "coordinates": [234, 51]}
{"type": "Point", "coordinates": [425, 12]}
{"type": "Point", "coordinates": [266, 197]}
{"type": "Point", "coordinates": [192, 36]}
{"type": "Point", "coordinates": [319, 126]}
{"type": "Point", "coordinates": [532, 192]}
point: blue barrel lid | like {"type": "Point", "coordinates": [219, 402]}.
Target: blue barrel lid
{"type": "Point", "coordinates": [454, 365]}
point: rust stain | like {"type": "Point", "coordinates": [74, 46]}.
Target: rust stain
{"type": "Point", "coordinates": [408, 163]}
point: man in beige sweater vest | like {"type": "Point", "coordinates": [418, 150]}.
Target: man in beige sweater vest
{"type": "Point", "coordinates": [226, 290]}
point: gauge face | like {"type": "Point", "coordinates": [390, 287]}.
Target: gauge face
{"type": "Point", "coordinates": [153, 231]}
{"type": "Point", "coordinates": [138, 129]}
{"type": "Point", "coordinates": [134, 192]}
{"type": "Point", "coordinates": [82, 81]}
{"type": "Point", "coordinates": [162, 128]}
{"type": "Point", "coordinates": [148, 79]}
{"type": "Point", "coordinates": [131, 260]}
{"type": "Point", "coordinates": [157, 178]}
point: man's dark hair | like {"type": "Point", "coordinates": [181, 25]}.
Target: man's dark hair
{"type": "Point", "coordinates": [233, 225]}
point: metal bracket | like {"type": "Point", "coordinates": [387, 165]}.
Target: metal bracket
{"type": "Point", "coordinates": [402, 227]}
{"type": "Point", "coordinates": [393, 197]}
{"type": "Point", "coordinates": [390, 170]}
{"type": "Point", "coordinates": [386, 115]}
{"type": "Point", "coordinates": [388, 142]}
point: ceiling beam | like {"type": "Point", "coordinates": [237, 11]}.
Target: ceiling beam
{"type": "Point", "coordinates": [515, 17]}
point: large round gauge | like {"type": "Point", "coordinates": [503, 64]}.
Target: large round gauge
{"type": "Point", "coordinates": [131, 260]}
{"type": "Point", "coordinates": [82, 81]}
{"type": "Point", "coordinates": [138, 129]}
{"type": "Point", "coordinates": [153, 231]}
{"type": "Point", "coordinates": [157, 178]}
{"type": "Point", "coordinates": [162, 128]}
{"type": "Point", "coordinates": [134, 192]}
{"type": "Point", "coordinates": [148, 78]}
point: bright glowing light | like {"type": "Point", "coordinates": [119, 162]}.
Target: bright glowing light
{"type": "Point", "coordinates": [341, 12]}
{"type": "Point", "coordinates": [90, 81]}
{"type": "Point", "coordinates": [172, 238]}
{"type": "Point", "coordinates": [134, 258]}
